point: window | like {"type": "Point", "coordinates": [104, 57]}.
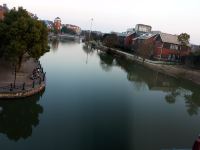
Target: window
{"type": "Point", "coordinates": [173, 46]}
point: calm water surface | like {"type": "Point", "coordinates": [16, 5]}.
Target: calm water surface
{"type": "Point", "coordinates": [94, 101]}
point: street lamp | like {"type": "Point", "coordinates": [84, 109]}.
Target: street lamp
{"type": "Point", "coordinates": [91, 28]}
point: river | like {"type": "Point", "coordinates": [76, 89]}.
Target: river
{"type": "Point", "coordinates": [95, 101]}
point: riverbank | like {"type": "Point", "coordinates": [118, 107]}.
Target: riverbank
{"type": "Point", "coordinates": [23, 84]}
{"type": "Point", "coordinates": [177, 71]}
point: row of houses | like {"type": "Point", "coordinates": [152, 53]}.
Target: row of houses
{"type": "Point", "coordinates": [166, 47]}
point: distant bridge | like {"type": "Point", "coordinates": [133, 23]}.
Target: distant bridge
{"type": "Point", "coordinates": [64, 37]}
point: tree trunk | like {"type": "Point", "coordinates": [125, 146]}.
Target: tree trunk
{"type": "Point", "coordinates": [19, 63]}
{"type": "Point", "coordinates": [15, 76]}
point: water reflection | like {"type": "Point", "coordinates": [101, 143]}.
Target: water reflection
{"type": "Point", "coordinates": [88, 51]}
{"type": "Point", "coordinates": [106, 61]}
{"type": "Point", "coordinates": [18, 118]}
{"type": "Point", "coordinates": [155, 81]}
{"type": "Point", "coordinates": [55, 44]}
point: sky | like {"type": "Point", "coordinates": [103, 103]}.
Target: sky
{"type": "Point", "coordinates": [169, 16]}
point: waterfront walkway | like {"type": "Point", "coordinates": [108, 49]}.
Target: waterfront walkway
{"type": "Point", "coordinates": [7, 75]}
{"type": "Point", "coordinates": [24, 84]}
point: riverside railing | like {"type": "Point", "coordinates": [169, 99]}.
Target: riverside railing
{"type": "Point", "coordinates": [20, 87]}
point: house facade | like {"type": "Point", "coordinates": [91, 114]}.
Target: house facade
{"type": "Point", "coordinates": [145, 38]}
{"type": "Point", "coordinates": [128, 41]}
{"type": "Point", "coordinates": [168, 48]}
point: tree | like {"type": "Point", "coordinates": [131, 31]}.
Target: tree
{"type": "Point", "coordinates": [184, 38]}
{"type": "Point", "coordinates": [24, 35]}
{"type": "Point", "coordinates": [110, 40]}
{"type": "Point", "coordinates": [145, 49]}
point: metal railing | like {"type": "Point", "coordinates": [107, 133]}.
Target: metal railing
{"type": "Point", "coordinates": [20, 87]}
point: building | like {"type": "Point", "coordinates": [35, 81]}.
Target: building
{"type": "Point", "coordinates": [135, 33]}
{"type": "Point", "coordinates": [128, 41]}
{"type": "Point", "coordinates": [57, 24]}
{"type": "Point", "coordinates": [168, 48]}
{"type": "Point", "coordinates": [130, 30]}
{"type": "Point", "coordinates": [74, 28]}
{"type": "Point", "coordinates": [121, 40]}
{"type": "Point", "coordinates": [141, 28]}
{"type": "Point", "coordinates": [3, 10]}
{"type": "Point", "coordinates": [142, 39]}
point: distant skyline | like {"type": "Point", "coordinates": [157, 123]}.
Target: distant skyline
{"type": "Point", "coordinates": [169, 16]}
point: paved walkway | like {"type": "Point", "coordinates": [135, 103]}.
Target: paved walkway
{"type": "Point", "coordinates": [7, 72]}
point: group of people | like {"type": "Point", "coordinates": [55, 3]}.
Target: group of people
{"type": "Point", "coordinates": [36, 74]}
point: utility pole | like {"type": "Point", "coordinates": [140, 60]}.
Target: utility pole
{"type": "Point", "coordinates": [90, 28]}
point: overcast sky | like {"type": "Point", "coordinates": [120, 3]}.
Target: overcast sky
{"type": "Point", "coordinates": [170, 16]}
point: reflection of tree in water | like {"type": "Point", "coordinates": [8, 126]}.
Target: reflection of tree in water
{"type": "Point", "coordinates": [88, 51]}
{"type": "Point", "coordinates": [193, 100]}
{"type": "Point", "coordinates": [159, 82]}
{"type": "Point", "coordinates": [55, 44]}
{"type": "Point", "coordinates": [106, 61]}
{"type": "Point", "coordinates": [171, 97]}
{"type": "Point", "coordinates": [191, 94]}
{"type": "Point", "coordinates": [19, 117]}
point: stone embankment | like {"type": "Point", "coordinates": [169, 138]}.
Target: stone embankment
{"type": "Point", "coordinates": [22, 93]}
{"type": "Point", "coordinates": [175, 70]}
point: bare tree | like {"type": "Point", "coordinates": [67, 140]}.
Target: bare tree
{"type": "Point", "coordinates": [145, 50]}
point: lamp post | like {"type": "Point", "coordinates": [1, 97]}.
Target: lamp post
{"type": "Point", "coordinates": [90, 28]}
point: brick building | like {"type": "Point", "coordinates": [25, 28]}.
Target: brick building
{"type": "Point", "coordinates": [57, 24]}
{"type": "Point", "coordinates": [3, 10]}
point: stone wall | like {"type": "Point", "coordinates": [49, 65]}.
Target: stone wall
{"type": "Point", "coordinates": [22, 94]}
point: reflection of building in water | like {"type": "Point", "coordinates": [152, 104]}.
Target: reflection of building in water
{"type": "Point", "coordinates": [55, 44]}
{"type": "Point", "coordinates": [18, 118]}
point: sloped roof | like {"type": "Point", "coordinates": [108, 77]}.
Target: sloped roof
{"type": "Point", "coordinates": [169, 38]}
{"type": "Point", "coordinates": [130, 33]}
{"type": "Point", "coordinates": [146, 36]}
